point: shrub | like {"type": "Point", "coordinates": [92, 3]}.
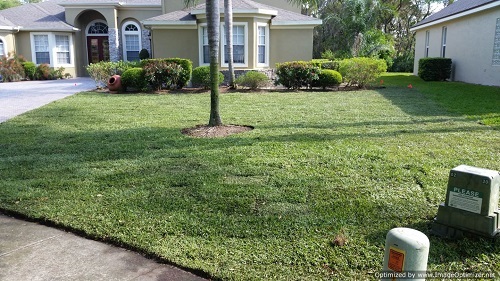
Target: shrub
{"type": "Point", "coordinates": [332, 65]}
{"type": "Point", "coordinates": [134, 78]}
{"type": "Point", "coordinates": [187, 68]}
{"type": "Point", "coordinates": [144, 54]}
{"type": "Point", "coordinates": [201, 77]}
{"type": "Point", "coordinates": [11, 68]}
{"type": "Point", "coordinates": [361, 71]}
{"type": "Point", "coordinates": [101, 71]}
{"type": "Point", "coordinates": [161, 73]}
{"type": "Point", "coordinates": [434, 69]}
{"type": "Point", "coordinates": [29, 69]}
{"type": "Point", "coordinates": [403, 63]}
{"type": "Point", "coordinates": [57, 73]}
{"type": "Point", "coordinates": [43, 72]}
{"type": "Point", "coordinates": [296, 74]}
{"type": "Point", "coordinates": [253, 80]}
{"type": "Point", "coordinates": [328, 78]}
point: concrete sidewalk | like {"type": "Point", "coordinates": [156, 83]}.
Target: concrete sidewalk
{"type": "Point", "coordinates": [30, 251]}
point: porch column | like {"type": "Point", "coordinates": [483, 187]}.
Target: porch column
{"type": "Point", "coordinates": [114, 44]}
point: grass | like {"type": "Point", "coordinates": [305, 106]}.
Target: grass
{"type": "Point", "coordinates": [269, 204]}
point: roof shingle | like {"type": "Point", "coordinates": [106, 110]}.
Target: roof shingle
{"type": "Point", "coordinates": [453, 9]}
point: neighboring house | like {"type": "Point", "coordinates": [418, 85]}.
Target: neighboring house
{"type": "Point", "coordinates": [468, 32]}
{"type": "Point", "coordinates": [74, 33]}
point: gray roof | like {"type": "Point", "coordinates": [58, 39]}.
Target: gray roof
{"type": "Point", "coordinates": [113, 2]}
{"type": "Point", "coordinates": [457, 7]}
{"type": "Point", "coordinates": [282, 16]}
{"type": "Point", "coordinates": [46, 15]}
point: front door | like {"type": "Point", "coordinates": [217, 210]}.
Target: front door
{"type": "Point", "coordinates": [98, 48]}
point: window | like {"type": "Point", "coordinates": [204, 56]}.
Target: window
{"type": "Point", "coordinates": [55, 49]}
{"type": "Point", "coordinates": [42, 54]}
{"type": "Point", "coordinates": [204, 43]}
{"type": "Point", "coordinates": [443, 42]}
{"type": "Point", "coordinates": [427, 36]}
{"type": "Point", "coordinates": [97, 28]}
{"type": "Point", "coordinates": [132, 41]}
{"type": "Point", "coordinates": [262, 45]}
{"type": "Point", "coordinates": [62, 49]}
{"type": "Point", "coordinates": [2, 48]}
{"type": "Point", "coordinates": [240, 40]}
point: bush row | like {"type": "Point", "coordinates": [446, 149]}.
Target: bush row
{"type": "Point", "coordinates": [326, 73]}
{"type": "Point", "coordinates": [16, 68]}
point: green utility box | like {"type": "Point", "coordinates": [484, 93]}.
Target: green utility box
{"type": "Point", "coordinates": [471, 204]}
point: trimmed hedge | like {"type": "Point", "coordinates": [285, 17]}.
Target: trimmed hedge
{"type": "Point", "coordinates": [187, 68]}
{"type": "Point", "coordinates": [434, 69]}
{"type": "Point", "coordinates": [253, 80]}
{"type": "Point", "coordinates": [29, 69]}
{"type": "Point", "coordinates": [328, 78]}
{"type": "Point", "coordinates": [361, 71]}
{"type": "Point", "coordinates": [201, 77]}
{"type": "Point", "coordinates": [134, 78]}
{"type": "Point", "coordinates": [296, 74]}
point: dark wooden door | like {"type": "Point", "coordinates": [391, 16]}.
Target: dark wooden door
{"type": "Point", "coordinates": [98, 48]}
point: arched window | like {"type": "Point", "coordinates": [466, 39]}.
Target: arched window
{"type": "Point", "coordinates": [131, 41]}
{"type": "Point", "coordinates": [2, 48]}
{"type": "Point", "coordinates": [97, 28]}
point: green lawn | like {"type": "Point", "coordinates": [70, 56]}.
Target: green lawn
{"type": "Point", "coordinates": [262, 205]}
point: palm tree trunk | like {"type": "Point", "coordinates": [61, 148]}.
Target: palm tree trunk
{"type": "Point", "coordinates": [213, 24]}
{"type": "Point", "coordinates": [228, 20]}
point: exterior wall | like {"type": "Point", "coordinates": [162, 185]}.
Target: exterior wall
{"type": "Point", "coordinates": [290, 45]}
{"type": "Point", "coordinates": [184, 46]}
{"type": "Point", "coordinates": [23, 45]}
{"type": "Point", "coordinates": [9, 42]}
{"type": "Point", "coordinates": [176, 5]}
{"type": "Point", "coordinates": [469, 43]}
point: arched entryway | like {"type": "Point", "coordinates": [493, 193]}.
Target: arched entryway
{"type": "Point", "coordinates": [97, 41]}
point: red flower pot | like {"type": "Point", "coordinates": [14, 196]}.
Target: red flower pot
{"type": "Point", "coordinates": [115, 84]}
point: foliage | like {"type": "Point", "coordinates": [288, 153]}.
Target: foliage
{"type": "Point", "coordinates": [43, 72]}
{"type": "Point", "coordinates": [134, 78]}
{"type": "Point", "coordinates": [384, 27]}
{"type": "Point", "coordinates": [296, 74]}
{"type": "Point", "coordinates": [101, 71]}
{"type": "Point", "coordinates": [162, 73]}
{"type": "Point", "coordinates": [434, 69]}
{"type": "Point", "coordinates": [253, 80]}
{"type": "Point", "coordinates": [327, 78]}
{"type": "Point", "coordinates": [11, 68]}
{"type": "Point", "coordinates": [144, 54]}
{"type": "Point", "coordinates": [361, 71]}
{"type": "Point", "coordinates": [201, 77]}
{"type": "Point", "coordinates": [402, 63]}
{"type": "Point", "coordinates": [5, 4]}
{"type": "Point", "coordinates": [57, 73]}
{"type": "Point", "coordinates": [29, 69]}
{"type": "Point", "coordinates": [186, 64]}
{"type": "Point", "coordinates": [263, 205]}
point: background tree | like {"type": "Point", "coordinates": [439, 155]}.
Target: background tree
{"type": "Point", "coordinates": [5, 4]}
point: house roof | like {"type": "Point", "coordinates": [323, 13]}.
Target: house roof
{"type": "Point", "coordinates": [123, 3]}
{"type": "Point", "coordinates": [278, 16]}
{"type": "Point", "coordinates": [457, 9]}
{"type": "Point", "coordinates": [46, 15]}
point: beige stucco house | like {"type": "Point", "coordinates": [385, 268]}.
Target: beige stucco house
{"type": "Point", "coordinates": [468, 32]}
{"type": "Point", "coordinates": [74, 33]}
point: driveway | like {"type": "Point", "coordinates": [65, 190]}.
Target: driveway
{"type": "Point", "coordinates": [19, 97]}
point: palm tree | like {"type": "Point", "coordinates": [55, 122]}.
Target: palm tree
{"type": "Point", "coordinates": [213, 24]}
{"type": "Point", "coordinates": [228, 20]}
